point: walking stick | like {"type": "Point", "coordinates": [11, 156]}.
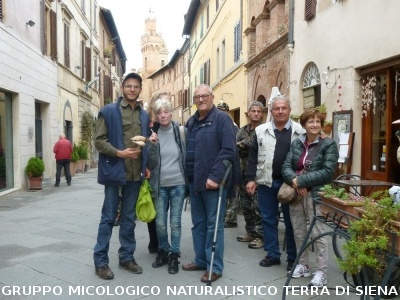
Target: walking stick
{"type": "Point", "coordinates": [221, 190]}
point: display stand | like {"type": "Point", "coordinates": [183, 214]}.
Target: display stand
{"type": "Point", "coordinates": [346, 141]}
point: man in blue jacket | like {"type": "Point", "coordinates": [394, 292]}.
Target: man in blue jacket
{"type": "Point", "coordinates": [210, 141]}
{"type": "Point", "coordinates": [121, 165]}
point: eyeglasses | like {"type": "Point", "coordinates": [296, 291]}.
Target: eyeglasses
{"type": "Point", "coordinates": [204, 97]}
{"type": "Point", "coordinates": [132, 87]}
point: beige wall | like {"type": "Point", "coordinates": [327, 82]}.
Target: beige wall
{"type": "Point", "coordinates": [344, 36]}
{"type": "Point", "coordinates": [227, 78]}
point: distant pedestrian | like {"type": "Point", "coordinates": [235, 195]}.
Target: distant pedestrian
{"type": "Point", "coordinates": [63, 151]}
{"type": "Point", "coordinates": [122, 165]}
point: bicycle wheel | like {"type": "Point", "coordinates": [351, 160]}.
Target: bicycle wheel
{"type": "Point", "coordinates": [339, 239]}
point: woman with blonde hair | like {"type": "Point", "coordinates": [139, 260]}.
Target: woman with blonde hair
{"type": "Point", "coordinates": [166, 159]}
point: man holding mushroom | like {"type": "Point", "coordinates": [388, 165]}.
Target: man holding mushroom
{"type": "Point", "coordinates": [121, 169]}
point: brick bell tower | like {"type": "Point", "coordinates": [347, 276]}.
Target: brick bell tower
{"type": "Point", "coordinates": [154, 56]}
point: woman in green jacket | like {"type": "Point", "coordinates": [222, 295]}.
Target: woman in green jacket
{"type": "Point", "coordinates": [310, 163]}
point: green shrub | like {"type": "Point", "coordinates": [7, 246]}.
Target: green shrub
{"type": "Point", "coordinates": [83, 150]}
{"type": "Point", "coordinates": [35, 167]}
{"type": "Point", "coordinates": [75, 154]}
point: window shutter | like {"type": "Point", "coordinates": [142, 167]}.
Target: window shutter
{"type": "Point", "coordinates": [96, 85]}
{"type": "Point", "coordinates": [205, 73]}
{"type": "Point", "coordinates": [208, 72]}
{"type": "Point", "coordinates": [83, 60]}
{"type": "Point", "coordinates": [44, 29]}
{"type": "Point", "coordinates": [66, 46]}
{"type": "Point", "coordinates": [114, 56]}
{"type": "Point", "coordinates": [107, 90]}
{"type": "Point", "coordinates": [88, 64]}
{"type": "Point", "coordinates": [53, 34]}
{"type": "Point", "coordinates": [1, 10]}
{"type": "Point", "coordinates": [310, 9]}
{"type": "Point", "coordinates": [202, 74]}
{"type": "Point", "coordinates": [237, 42]}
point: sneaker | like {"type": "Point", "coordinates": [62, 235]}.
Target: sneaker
{"type": "Point", "coordinates": [104, 272]}
{"type": "Point", "coordinates": [161, 259]}
{"type": "Point", "coordinates": [301, 271]}
{"type": "Point", "coordinates": [290, 263]}
{"type": "Point", "coordinates": [257, 243]}
{"type": "Point", "coordinates": [319, 279]}
{"type": "Point", "coordinates": [173, 263]}
{"type": "Point", "coordinates": [269, 261]}
{"type": "Point", "coordinates": [131, 266]}
{"type": "Point", "coordinates": [245, 238]}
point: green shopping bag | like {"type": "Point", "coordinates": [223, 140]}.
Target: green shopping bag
{"type": "Point", "coordinates": [145, 210]}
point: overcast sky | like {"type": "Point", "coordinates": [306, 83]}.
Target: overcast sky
{"type": "Point", "coordinates": [129, 17]}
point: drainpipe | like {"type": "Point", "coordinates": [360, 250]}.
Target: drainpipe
{"type": "Point", "coordinates": [290, 39]}
{"type": "Point", "coordinates": [291, 25]}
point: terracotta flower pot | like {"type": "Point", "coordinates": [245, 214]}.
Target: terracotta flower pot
{"type": "Point", "coordinates": [327, 129]}
{"type": "Point", "coordinates": [35, 183]}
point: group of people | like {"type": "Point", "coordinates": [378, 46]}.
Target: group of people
{"type": "Point", "coordinates": [192, 160]}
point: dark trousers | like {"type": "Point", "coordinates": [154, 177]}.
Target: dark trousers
{"type": "Point", "coordinates": [60, 164]}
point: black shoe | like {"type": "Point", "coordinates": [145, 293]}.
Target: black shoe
{"type": "Point", "coordinates": [152, 248]}
{"type": "Point", "coordinates": [69, 183]}
{"type": "Point", "coordinates": [290, 263]}
{"type": "Point", "coordinates": [173, 263]}
{"type": "Point", "coordinates": [117, 221]}
{"type": "Point", "coordinates": [270, 261]}
{"type": "Point", "coordinates": [161, 259]}
{"type": "Point", "coordinates": [104, 272]}
{"type": "Point", "coordinates": [57, 185]}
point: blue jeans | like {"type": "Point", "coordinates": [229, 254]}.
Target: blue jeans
{"type": "Point", "coordinates": [169, 197]}
{"type": "Point", "coordinates": [267, 199]}
{"type": "Point", "coordinates": [130, 192]}
{"type": "Point", "coordinates": [203, 207]}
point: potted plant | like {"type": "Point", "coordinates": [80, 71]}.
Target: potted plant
{"type": "Point", "coordinates": [295, 117]}
{"type": "Point", "coordinates": [34, 170]}
{"type": "Point", "coordinates": [74, 160]}
{"type": "Point", "coordinates": [327, 127]}
{"type": "Point", "coordinates": [340, 204]}
{"type": "Point", "coordinates": [107, 52]}
{"type": "Point", "coordinates": [322, 109]}
{"type": "Point", "coordinates": [368, 251]}
{"type": "Point", "coordinates": [83, 155]}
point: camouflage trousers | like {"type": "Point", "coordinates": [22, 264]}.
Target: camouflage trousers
{"type": "Point", "coordinates": [232, 208]}
{"type": "Point", "coordinates": [251, 212]}
{"type": "Point", "coordinates": [299, 213]}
